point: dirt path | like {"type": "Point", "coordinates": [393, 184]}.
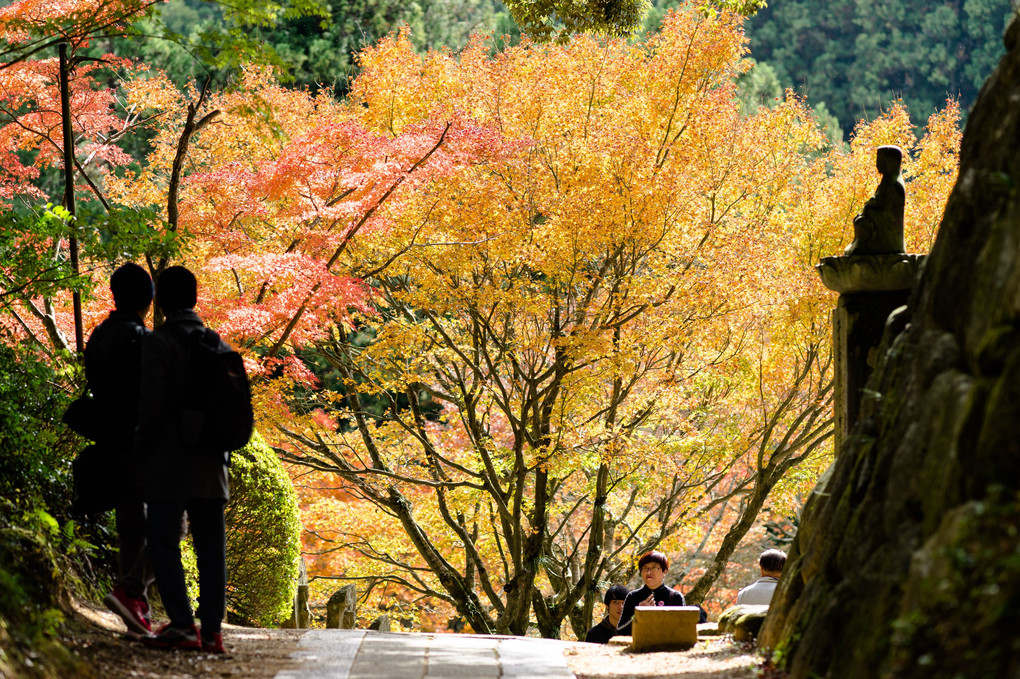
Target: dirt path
{"type": "Point", "coordinates": [253, 653]}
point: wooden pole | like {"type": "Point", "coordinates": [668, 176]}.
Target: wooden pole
{"type": "Point", "coordinates": [65, 112]}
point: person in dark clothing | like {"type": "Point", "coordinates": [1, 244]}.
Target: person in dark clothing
{"type": "Point", "coordinates": [179, 479]}
{"type": "Point", "coordinates": [113, 368]}
{"type": "Point", "coordinates": [653, 567]}
{"type": "Point", "coordinates": [605, 630]}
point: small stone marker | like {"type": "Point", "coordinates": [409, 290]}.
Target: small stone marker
{"type": "Point", "coordinates": [708, 629]}
{"type": "Point", "coordinates": [380, 624]}
{"type": "Point", "coordinates": [341, 609]}
{"type": "Point", "coordinates": [300, 612]}
{"type": "Point", "coordinates": [665, 628]}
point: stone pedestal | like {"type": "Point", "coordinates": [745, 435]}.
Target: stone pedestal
{"type": "Point", "coordinates": [665, 628]}
{"type": "Point", "coordinates": [871, 287]}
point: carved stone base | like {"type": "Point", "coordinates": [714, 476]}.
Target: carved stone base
{"type": "Point", "coordinates": [870, 273]}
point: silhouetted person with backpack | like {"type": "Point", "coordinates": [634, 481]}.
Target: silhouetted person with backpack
{"type": "Point", "coordinates": [181, 475]}
{"type": "Point", "coordinates": [113, 367]}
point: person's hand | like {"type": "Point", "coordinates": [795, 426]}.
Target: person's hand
{"type": "Point", "coordinates": [650, 601]}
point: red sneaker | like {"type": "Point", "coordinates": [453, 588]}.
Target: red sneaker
{"type": "Point", "coordinates": [143, 609]}
{"type": "Point", "coordinates": [134, 612]}
{"type": "Point", "coordinates": [212, 643]}
{"type": "Point", "coordinates": [173, 638]}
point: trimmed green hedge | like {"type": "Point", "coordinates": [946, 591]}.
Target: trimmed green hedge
{"type": "Point", "coordinates": [263, 537]}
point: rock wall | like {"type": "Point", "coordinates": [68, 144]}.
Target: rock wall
{"type": "Point", "coordinates": [907, 563]}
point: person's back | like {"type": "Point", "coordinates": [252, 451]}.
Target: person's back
{"type": "Point", "coordinates": [760, 592]}
{"type": "Point", "coordinates": [113, 369]}
{"type": "Point", "coordinates": [180, 478]}
{"type": "Point", "coordinates": [173, 470]}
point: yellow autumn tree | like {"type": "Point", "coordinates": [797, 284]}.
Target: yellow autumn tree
{"type": "Point", "coordinates": [547, 322]}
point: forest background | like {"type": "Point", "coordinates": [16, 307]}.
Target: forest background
{"type": "Point", "coordinates": [515, 312]}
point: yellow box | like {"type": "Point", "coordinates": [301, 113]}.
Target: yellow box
{"type": "Point", "coordinates": [665, 628]}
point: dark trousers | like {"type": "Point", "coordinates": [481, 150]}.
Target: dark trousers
{"type": "Point", "coordinates": [208, 531]}
{"type": "Point", "coordinates": [135, 568]}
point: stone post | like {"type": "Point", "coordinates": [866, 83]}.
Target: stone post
{"type": "Point", "coordinates": [342, 608]}
{"type": "Point", "coordinates": [871, 287]}
{"type": "Point", "coordinates": [300, 613]}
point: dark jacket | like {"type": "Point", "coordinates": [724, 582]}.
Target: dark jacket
{"type": "Point", "coordinates": [664, 596]}
{"type": "Point", "coordinates": [172, 470]}
{"type": "Point", "coordinates": [601, 633]}
{"type": "Point", "coordinates": [113, 364]}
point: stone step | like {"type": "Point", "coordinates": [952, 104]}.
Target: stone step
{"type": "Point", "coordinates": [361, 654]}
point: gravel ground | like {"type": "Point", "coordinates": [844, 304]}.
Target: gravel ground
{"type": "Point", "coordinates": [262, 653]}
{"type": "Point", "coordinates": [714, 658]}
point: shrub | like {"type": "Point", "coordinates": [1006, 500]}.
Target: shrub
{"type": "Point", "coordinates": [35, 447]}
{"type": "Point", "coordinates": [34, 597]}
{"type": "Point", "coordinates": [263, 537]}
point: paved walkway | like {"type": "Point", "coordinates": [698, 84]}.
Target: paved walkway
{"type": "Point", "coordinates": [359, 654]}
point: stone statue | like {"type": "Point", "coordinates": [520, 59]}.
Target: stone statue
{"type": "Point", "coordinates": [878, 230]}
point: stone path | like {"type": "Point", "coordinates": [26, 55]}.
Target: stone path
{"type": "Point", "coordinates": [358, 654]}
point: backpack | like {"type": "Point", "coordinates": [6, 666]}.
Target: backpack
{"type": "Point", "coordinates": [94, 486]}
{"type": "Point", "coordinates": [217, 415]}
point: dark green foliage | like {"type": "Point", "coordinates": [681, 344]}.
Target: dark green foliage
{"type": "Point", "coordinates": [544, 20]}
{"type": "Point", "coordinates": [320, 52]}
{"type": "Point", "coordinates": [658, 8]}
{"type": "Point", "coordinates": [313, 44]}
{"type": "Point", "coordinates": [35, 448]}
{"type": "Point", "coordinates": [857, 56]}
{"type": "Point", "coordinates": [31, 266]}
{"type": "Point", "coordinates": [33, 597]}
{"type": "Point", "coordinates": [263, 537]}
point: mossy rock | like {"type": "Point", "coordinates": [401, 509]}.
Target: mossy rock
{"type": "Point", "coordinates": [907, 566]}
{"type": "Point", "coordinates": [743, 622]}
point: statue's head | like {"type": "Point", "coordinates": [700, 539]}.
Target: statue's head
{"type": "Point", "coordinates": [888, 159]}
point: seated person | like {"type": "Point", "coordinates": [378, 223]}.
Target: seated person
{"type": "Point", "coordinates": [653, 567]}
{"type": "Point", "coordinates": [604, 631]}
{"type": "Point", "coordinates": [760, 592]}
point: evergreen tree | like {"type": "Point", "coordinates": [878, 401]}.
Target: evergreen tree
{"type": "Point", "coordinates": [858, 56]}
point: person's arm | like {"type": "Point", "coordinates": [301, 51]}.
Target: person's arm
{"type": "Point", "coordinates": [623, 627]}
{"type": "Point", "coordinates": [629, 604]}
{"type": "Point", "coordinates": [152, 394]}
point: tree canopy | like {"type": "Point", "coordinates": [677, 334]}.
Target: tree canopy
{"type": "Point", "coordinates": [858, 57]}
